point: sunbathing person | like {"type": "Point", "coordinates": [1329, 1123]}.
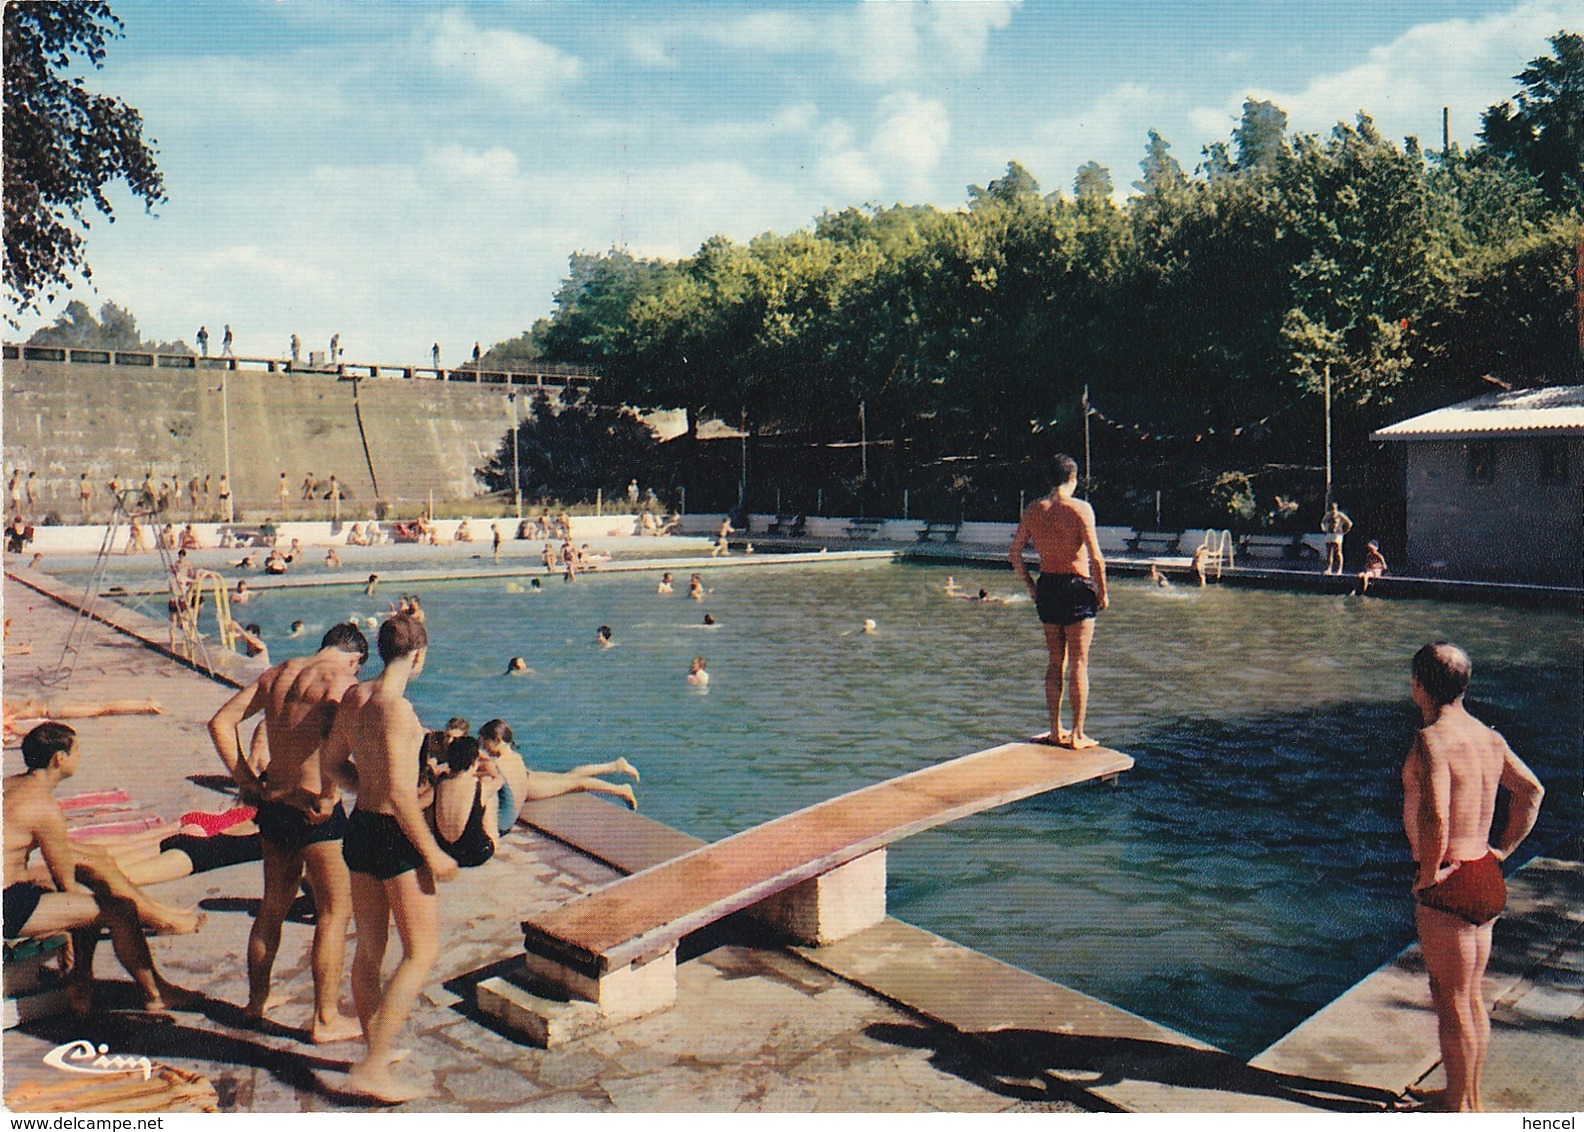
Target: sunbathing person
{"type": "Point", "coordinates": [31, 708]}
{"type": "Point", "coordinates": [87, 890]}
{"type": "Point", "coordinates": [520, 785]}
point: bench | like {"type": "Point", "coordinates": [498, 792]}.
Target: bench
{"type": "Point", "coordinates": [1276, 548]}
{"type": "Point", "coordinates": [245, 534]}
{"type": "Point", "coordinates": [1156, 542]}
{"type": "Point", "coordinates": [864, 528]}
{"type": "Point", "coordinates": [811, 877]}
{"type": "Point", "coordinates": [793, 526]}
{"type": "Point", "coordinates": [947, 531]}
{"type": "Point", "coordinates": [30, 992]}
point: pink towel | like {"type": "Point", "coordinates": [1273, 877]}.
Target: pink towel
{"type": "Point", "coordinates": [94, 799]}
{"type": "Point", "coordinates": [132, 824]}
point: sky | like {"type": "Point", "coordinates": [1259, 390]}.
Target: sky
{"type": "Point", "coordinates": [405, 173]}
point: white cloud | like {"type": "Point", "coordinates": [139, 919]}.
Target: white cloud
{"type": "Point", "coordinates": [963, 29]}
{"type": "Point", "coordinates": [1464, 63]}
{"type": "Point", "coordinates": [510, 64]}
{"type": "Point", "coordinates": [848, 174]}
{"type": "Point", "coordinates": [912, 133]}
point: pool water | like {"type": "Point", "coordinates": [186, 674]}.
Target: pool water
{"type": "Point", "coordinates": [1248, 870]}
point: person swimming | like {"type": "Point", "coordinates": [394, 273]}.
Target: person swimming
{"type": "Point", "coordinates": [297, 629]}
{"type": "Point", "coordinates": [603, 637]}
{"type": "Point", "coordinates": [665, 584]}
{"type": "Point", "coordinates": [517, 666]}
{"type": "Point", "coordinates": [869, 625]}
{"type": "Point", "coordinates": [697, 674]}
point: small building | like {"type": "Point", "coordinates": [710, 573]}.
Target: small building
{"type": "Point", "coordinates": [1494, 488]}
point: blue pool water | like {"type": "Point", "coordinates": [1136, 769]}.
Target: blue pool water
{"type": "Point", "coordinates": [1248, 870]}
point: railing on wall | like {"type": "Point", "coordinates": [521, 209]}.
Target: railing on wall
{"type": "Point", "coordinates": [552, 375]}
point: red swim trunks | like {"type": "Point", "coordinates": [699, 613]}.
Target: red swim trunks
{"type": "Point", "coordinates": [213, 824]}
{"type": "Point", "coordinates": [1474, 892]}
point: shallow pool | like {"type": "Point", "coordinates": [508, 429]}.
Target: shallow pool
{"type": "Point", "coordinates": [1249, 869]}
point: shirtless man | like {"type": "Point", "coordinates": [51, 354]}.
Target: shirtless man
{"type": "Point", "coordinates": [1449, 781]}
{"type": "Point", "coordinates": [1068, 596]}
{"type": "Point", "coordinates": [300, 818]}
{"type": "Point", "coordinates": [1335, 524]}
{"type": "Point", "coordinates": [34, 820]}
{"type": "Point", "coordinates": [394, 858]}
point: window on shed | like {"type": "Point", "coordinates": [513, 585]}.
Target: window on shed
{"type": "Point", "coordinates": [1481, 463]}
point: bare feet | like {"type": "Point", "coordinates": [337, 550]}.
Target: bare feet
{"type": "Point", "coordinates": [338, 1029]}
{"type": "Point", "coordinates": [625, 793]}
{"type": "Point", "coordinates": [625, 767]}
{"type": "Point", "coordinates": [377, 1084]}
{"type": "Point", "coordinates": [256, 1014]}
{"type": "Point", "coordinates": [1080, 742]}
{"type": "Point", "coordinates": [1061, 739]}
{"type": "Point", "coordinates": [163, 920]}
{"type": "Point", "coordinates": [171, 997]}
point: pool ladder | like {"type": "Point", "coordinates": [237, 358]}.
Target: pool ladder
{"type": "Point", "coordinates": [1220, 546]}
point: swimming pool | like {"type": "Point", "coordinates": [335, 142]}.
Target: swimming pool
{"type": "Point", "coordinates": [1248, 870]}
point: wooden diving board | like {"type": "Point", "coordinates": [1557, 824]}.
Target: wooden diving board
{"type": "Point", "coordinates": [817, 874]}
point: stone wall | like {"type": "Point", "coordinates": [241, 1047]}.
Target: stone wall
{"type": "Point", "coordinates": [115, 420]}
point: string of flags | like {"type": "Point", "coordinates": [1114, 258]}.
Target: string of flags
{"type": "Point", "coordinates": [1139, 432]}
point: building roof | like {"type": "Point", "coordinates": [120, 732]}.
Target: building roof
{"type": "Point", "coordinates": [1556, 410]}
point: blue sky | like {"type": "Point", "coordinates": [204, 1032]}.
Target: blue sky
{"type": "Point", "coordinates": [401, 173]}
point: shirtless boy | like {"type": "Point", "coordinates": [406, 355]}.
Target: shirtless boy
{"type": "Point", "coordinates": [34, 820]}
{"type": "Point", "coordinates": [1071, 590]}
{"type": "Point", "coordinates": [300, 818]}
{"type": "Point", "coordinates": [394, 858]}
{"type": "Point", "coordinates": [1450, 779]}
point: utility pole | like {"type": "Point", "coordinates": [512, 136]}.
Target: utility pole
{"type": "Point", "coordinates": [1578, 279]}
{"type": "Point", "coordinates": [511, 401]}
{"type": "Point", "coordinates": [863, 440]}
{"type": "Point", "coordinates": [1446, 129]}
{"type": "Point", "coordinates": [1328, 434]}
{"type": "Point", "coordinates": [1088, 481]}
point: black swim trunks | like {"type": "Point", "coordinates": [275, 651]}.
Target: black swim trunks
{"type": "Point", "coordinates": [376, 846]}
{"type": "Point", "coordinates": [289, 830]}
{"type": "Point", "coordinates": [21, 900]}
{"type": "Point", "coordinates": [1065, 599]}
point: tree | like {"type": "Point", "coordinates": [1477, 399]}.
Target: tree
{"type": "Point", "coordinates": [63, 145]}
{"type": "Point", "coordinates": [114, 329]}
{"type": "Point", "coordinates": [1545, 134]}
{"type": "Point", "coordinates": [1093, 182]}
{"type": "Point", "coordinates": [571, 451]}
{"type": "Point", "coordinates": [1162, 173]}
{"type": "Point", "coordinates": [1259, 135]}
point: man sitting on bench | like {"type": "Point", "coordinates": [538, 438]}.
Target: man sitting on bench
{"type": "Point", "coordinates": [34, 820]}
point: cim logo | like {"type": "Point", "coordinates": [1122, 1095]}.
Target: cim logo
{"type": "Point", "coordinates": [84, 1057]}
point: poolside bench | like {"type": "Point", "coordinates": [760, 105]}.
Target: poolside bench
{"type": "Point", "coordinates": [781, 525]}
{"type": "Point", "coordinates": [1156, 542]}
{"type": "Point", "coordinates": [246, 534]}
{"type": "Point", "coordinates": [812, 877]}
{"type": "Point", "coordinates": [947, 531]}
{"type": "Point", "coordinates": [864, 528]}
{"type": "Point", "coordinates": [29, 991]}
{"type": "Point", "coordinates": [1275, 548]}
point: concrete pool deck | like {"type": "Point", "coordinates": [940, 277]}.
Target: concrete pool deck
{"type": "Point", "coordinates": [893, 1019]}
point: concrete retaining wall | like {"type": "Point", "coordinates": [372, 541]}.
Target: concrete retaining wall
{"type": "Point", "coordinates": [62, 420]}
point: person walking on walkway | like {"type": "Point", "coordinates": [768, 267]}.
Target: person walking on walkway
{"type": "Point", "coordinates": [296, 348]}
{"type": "Point", "coordinates": [1450, 781]}
{"type": "Point", "coordinates": [1070, 593]}
{"type": "Point", "coordinates": [203, 341]}
{"type": "Point", "coordinates": [226, 343]}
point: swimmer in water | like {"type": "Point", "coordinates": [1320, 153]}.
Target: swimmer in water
{"type": "Point", "coordinates": [869, 625]}
{"type": "Point", "coordinates": [665, 584]}
{"type": "Point", "coordinates": [297, 629]}
{"type": "Point", "coordinates": [709, 619]}
{"type": "Point", "coordinates": [1157, 577]}
{"type": "Point", "coordinates": [373, 581]}
{"type": "Point", "coordinates": [697, 676]}
{"type": "Point", "coordinates": [603, 637]}
{"type": "Point", "coordinates": [952, 589]}
{"type": "Point", "coordinates": [517, 666]}
{"type": "Point", "coordinates": [696, 588]}
{"type": "Point", "coordinates": [534, 586]}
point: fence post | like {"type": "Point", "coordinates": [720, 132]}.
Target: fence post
{"type": "Point", "coordinates": [904, 503]}
{"type": "Point", "coordinates": [683, 510]}
{"type": "Point", "coordinates": [598, 497]}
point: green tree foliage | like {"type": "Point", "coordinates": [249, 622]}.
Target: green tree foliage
{"type": "Point", "coordinates": [1544, 134]}
{"type": "Point", "coordinates": [1201, 315]}
{"type": "Point", "coordinates": [114, 329]}
{"type": "Point", "coordinates": [570, 451]}
{"type": "Point", "coordinates": [63, 144]}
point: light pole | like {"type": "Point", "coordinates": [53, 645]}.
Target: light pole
{"type": "Point", "coordinates": [511, 401]}
{"type": "Point", "coordinates": [225, 431]}
{"type": "Point", "coordinates": [1328, 434]}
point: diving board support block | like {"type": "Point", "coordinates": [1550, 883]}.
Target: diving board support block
{"type": "Point", "coordinates": [816, 875]}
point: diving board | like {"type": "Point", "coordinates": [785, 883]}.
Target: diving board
{"type": "Point", "coordinates": [815, 876]}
